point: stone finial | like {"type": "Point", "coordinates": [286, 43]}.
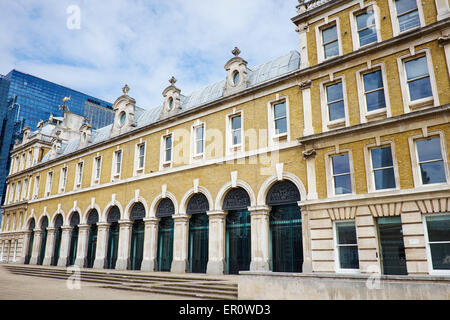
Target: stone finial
{"type": "Point", "coordinates": [172, 81]}
{"type": "Point", "coordinates": [125, 89]}
{"type": "Point", "coordinates": [236, 51]}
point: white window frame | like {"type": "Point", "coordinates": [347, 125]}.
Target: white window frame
{"type": "Point", "coordinates": [163, 162]}
{"type": "Point", "coordinates": [274, 138]}
{"type": "Point", "coordinates": [137, 157]}
{"type": "Point", "coordinates": [16, 164]}
{"type": "Point", "coordinates": [78, 181]}
{"type": "Point", "coordinates": [394, 18]}
{"type": "Point", "coordinates": [29, 158]}
{"type": "Point", "coordinates": [331, 192]}
{"type": "Point", "coordinates": [63, 179]}
{"type": "Point", "coordinates": [432, 271]}
{"type": "Point", "coordinates": [18, 191]}
{"type": "Point", "coordinates": [371, 187]}
{"type": "Point", "coordinates": [114, 174]}
{"type": "Point", "coordinates": [96, 167]}
{"type": "Point", "coordinates": [365, 115]}
{"type": "Point", "coordinates": [328, 125]}
{"type": "Point", "coordinates": [230, 147]}
{"type": "Point", "coordinates": [37, 181]}
{"type": "Point", "coordinates": [337, 262]}
{"type": "Point", "coordinates": [417, 176]}
{"type": "Point", "coordinates": [432, 101]}
{"type": "Point", "coordinates": [24, 193]}
{"type": "Point", "coordinates": [22, 161]}
{"type": "Point", "coordinates": [194, 155]}
{"type": "Point", "coordinates": [372, 6]}
{"type": "Point", "coordinates": [49, 183]}
{"type": "Point", "coordinates": [319, 39]}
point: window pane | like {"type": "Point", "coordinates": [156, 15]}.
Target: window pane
{"type": "Point", "coordinates": [432, 172]}
{"type": "Point", "coordinates": [373, 81]}
{"type": "Point", "coordinates": [429, 149]}
{"type": "Point", "coordinates": [416, 68]}
{"type": "Point", "coordinates": [329, 34]}
{"type": "Point", "coordinates": [199, 133]}
{"type": "Point", "coordinates": [409, 21]}
{"type": "Point", "coordinates": [438, 228]}
{"type": "Point", "coordinates": [440, 255]}
{"type": "Point", "coordinates": [142, 150]}
{"type": "Point", "coordinates": [364, 20]}
{"type": "Point", "coordinates": [236, 122]}
{"type": "Point", "coordinates": [419, 89]}
{"type": "Point", "coordinates": [340, 164]}
{"type": "Point", "coordinates": [168, 155]}
{"type": "Point", "coordinates": [342, 184]}
{"type": "Point", "coordinates": [384, 179]}
{"type": "Point", "coordinates": [331, 49]}
{"type": "Point", "coordinates": [348, 257]}
{"type": "Point", "coordinates": [375, 100]}
{"type": "Point", "coordinates": [405, 5]}
{"type": "Point", "coordinates": [199, 147]}
{"type": "Point", "coordinates": [381, 157]}
{"type": "Point", "coordinates": [336, 110]}
{"type": "Point", "coordinates": [334, 92]}
{"type": "Point", "coordinates": [367, 36]}
{"type": "Point", "coordinates": [169, 142]}
{"type": "Point", "coordinates": [346, 233]}
{"type": "Point", "coordinates": [279, 110]}
{"type": "Point", "coordinates": [280, 126]}
{"type": "Point", "coordinates": [237, 137]}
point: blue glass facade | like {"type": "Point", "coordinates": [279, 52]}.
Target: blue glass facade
{"type": "Point", "coordinates": [26, 99]}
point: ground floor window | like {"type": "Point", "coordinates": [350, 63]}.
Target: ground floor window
{"type": "Point", "coordinates": [346, 246]}
{"type": "Point", "coordinates": [438, 234]}
{"type": "Point", "coordinates": [391, 246]}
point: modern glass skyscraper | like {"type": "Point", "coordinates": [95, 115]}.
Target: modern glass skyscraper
{"type": "Point", "coordinates": [26, 99]}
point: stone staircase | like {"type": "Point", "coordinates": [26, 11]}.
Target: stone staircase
{"type": "Point", "coordinates": [188, 285]}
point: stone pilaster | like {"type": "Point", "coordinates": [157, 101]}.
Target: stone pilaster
{"type": "Point", "coordinates": [25, 244]}
{"type": "Point", "coordinates": [102, 245]}
{"type": "Point", "coordinates": [149, 261]}
{"type": "Point", "coordinates": [369, 261]}
{"type": "Point", "coordinates": [124, 244]}
{"type": "Point", "coordinates": [180, 262]}
{"type": "Point", "coordinates": [216, 241]}
{"type": "Point", "coordinates": [36, 246]}
{"type": "Point", "coordinates": [50, 246]}
{"type": "Point", "coordinates": [65, 246]}
{"type": "Point", "coordinates": [260, 238]}
{"type": "Point", "coordinates": [82, 247]}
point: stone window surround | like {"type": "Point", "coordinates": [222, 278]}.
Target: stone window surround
{"type": "Point", "coordinates": [339, 123]}
{"type": "Point", "coordinates": [37, 180]}
{"type": "Point", "coordinates": [163, 163]}
{"type": "Point", "coordinates": [230, 147]}
{"type": "Point", "coordinates": [338, 269]}
{"type": "Point", "coordinates": [78, 180]}
{"type": "Point", "coordinates": [394, 19]}
{"type": "Point", "coordinates": [369, 170]}
{"type": "Point", "coordinates": [319, 42]}
{"type": "Point", "coordinates": [49, 183]}
{"type": "Point", "coordinates": [329, 173]}
{"type": "Point", "coordinates": [94, 179]}
{"type": "Point", "coordinates": [194, 156]}
{"type": "Point", "coordinates": [425, 102]}
{"type": "Point", "coordinates": [415, 159]}
{"type": "Point", "coordinates": [138, 170]}
{"type": "Point", "coordinates": [114, 174]}
{"type": "Point", "coordinates": [375, 114]}
{"type": "Point", "coordinates": [274, 139]}
{"type": "Point", "coordinates": [371, 6]}
{"type": "Point", "coordinates": [427, 245]}
{"type": "Point", "coordinates": [62, 185]}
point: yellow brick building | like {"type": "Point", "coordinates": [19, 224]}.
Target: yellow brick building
{"type": "Point", "coordinates": [332, 159]}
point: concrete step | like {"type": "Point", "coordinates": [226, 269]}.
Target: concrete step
{"type": "Point", "coordinates": [180, 285]}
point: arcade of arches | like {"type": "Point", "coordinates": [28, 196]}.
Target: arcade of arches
{"type": "Point", "coordinates": [237, 238]}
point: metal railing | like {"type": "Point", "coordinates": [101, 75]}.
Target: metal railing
{"type": "Point", "coordinates": [306, 5]}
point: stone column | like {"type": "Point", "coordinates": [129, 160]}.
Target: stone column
{"type": "Point", "coordinates": [216, 250]}
{"type": "Point", "coordinates": [180, 263]}
{"type": "Point", "coordinates": [368, 253]}
{"type": "Point", "coordinates": [49, 247]}
{"type": "Point", "coordinates": [2, 246]}
{"type": "Point", "coordinates": [149, 261]}
{"type": "Point", "coordinates": [65, 246]}
{"type": "Point", "coordinates": [102, 245]}
{"type": "Point", "coordinates": [82, 247]}
{"type": "Point", "coordinates": [306, 240]}
{"type": "Point", "coordinates": [260, 238]}
{"type": "Point", "coordinates": [36, 246]}
{"type": "Point", "coordinates": [15, 251]}
{"type": "Point", "coordinates": [305, 87]}
{"type": "Point", "coordinates": [26, 242]}
{"type": "Point", "coordinates": [124, 244]}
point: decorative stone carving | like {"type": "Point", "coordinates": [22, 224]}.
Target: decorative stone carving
{"type": "Point", "coordinates": [137, 212]}
{"type": "Point", "coordinates": [237, 77]}
{"type": "Point", "coordinates": [311, 153]}
{"type": "Point", "coordinates": [165, 208]}
{"type": "Point", "coordinates": [85, 134]}
{"type": "Point", "coordinates": [75, 219]}
{"type": "Point", "coordinates": [236, 199]}
{"type": "Point", "coordinates": [305, 84]}
{"type": "Point", "coordinates": [93, 217]}
{"type": "Point", "coordinates": [113, 215]}
{"type": "Point", "coordinates": [282, 192]}
{"type": "Point", "coordinates": [197, 204]}
{"type": "Point", "coordinates": [172, 102]}
{"type": "Point", "coordinates": [124, 108]}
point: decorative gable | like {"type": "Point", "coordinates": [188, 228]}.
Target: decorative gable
{"type": "Point", "coordinates": [171, 99]}
{"type": "Point", "coordinates": [124, 108]}
{"type": "Point", "coordinates": [237, 77]}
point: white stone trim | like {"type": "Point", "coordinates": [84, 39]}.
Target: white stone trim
{"type": "Point", "coordinates": [114, 175]}
{"type": "Point", "coordinates": [193, 155]}
{"type": "Point", "coordinates": [273, 138]}
{"type": "Point", "coordinates": [371, 6]}
{"type": "Point", "coordinates": [328, 125]}
{"type": "Point", "coordinates": [136, 169]}
{"type": "Point", "coordinates": [91, 206]}
{"type": "Point", "coordinates": [190, 193]}
{"type": "Point", "coordinates": [329, 173]}
{"type": "Point", "coordinates": [78, 184]}
{"type": "Point", "coordinates": [49, 183]}
{"type": "Point", "coordinates": [394, 19]}
{"type": "Point", "coordinates": [109, 205]}
{"type": "Point", "coordinates": [62, 186]}
{"type": "Point", "coordinates": [130, 205]}
{"type": "Point", "coordinates": [163, 163]}
{"type": "Point", "coordinates": [432, 271]}
{"type": "Point", "coordinates": [94, 179]}
{"type": "Point", "coordinates": [227, 187]}
{"type": "Point", "coordinates": [319, 43]}
{"type": "Point", "coordinates": [231, 149]}
{"type": "Point", "coordinates": [157, 200]}
{"type": "Point", "coordinates": [267, 184]}
{"type": "Point", "coordinates": [338, 269]}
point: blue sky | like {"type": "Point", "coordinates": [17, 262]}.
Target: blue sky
{"type": "Point", "coordinates": [141, 42]}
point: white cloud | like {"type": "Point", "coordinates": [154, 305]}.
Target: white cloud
{"type": "Point", "coordinates": [141, 43]}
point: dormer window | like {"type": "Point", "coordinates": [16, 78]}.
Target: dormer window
{"type": "Point", "coordinates": [123, 118]}
{"type": "Point", "coordinates": [170, 103]}
{"type": "Point", "coordinates": [236, 77]}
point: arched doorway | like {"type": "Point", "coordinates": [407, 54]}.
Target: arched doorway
{"type": "Point", "coordinates": [164, 254]}
{"type": "Point", "coordinates": [92, 238]}
{"type": "Point", "coordinates": [113, 237]}
{"type": "Point", "coordinates": [30, 241]}
{"type": "Point", "coordinates": [137, 236]}
{"type": "Point", "coordinates": [58, 235]}
{"type": "Point", "coordinates": [44, 226]}
{"type": "Point", "coordinates": [197, 206]}
{"type": "Point", "coordinates": [74, 222]}
{"type": "Point", "coordinates": [237, 231]}
{"type": "Point", "coordinates": [285, 221]}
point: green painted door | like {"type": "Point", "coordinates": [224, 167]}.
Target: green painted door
{"type": "Point", "coordinates": [113, 245]}
{"type": "Point", "coordinates": [43, 245]}
{"type": "Point", "coordinates": [58, 235]}
{"type": "Point", "coordinates": [198, 243]}
{"type": "Point", "coordinates": [165, 243]}
{"type": "Point", "coordinates": [238, 241]}
{"type": "Point", "coordinates": [137, 245]}
{"type": "Point", "coordinates": [92, 246]}
{"type": "Point", "coordinates": [30, 248]}
{"type": "Point", "coordinates": [286, 238]}
{"type": "Point", "coordinates": [73, 246]}
{"type": "Point", "coordinates": [392, 247]}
